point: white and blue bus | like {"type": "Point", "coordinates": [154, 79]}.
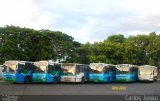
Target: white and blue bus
{"type": "Point", "coordinates": [101, 72]}
{"type": "Point", "coordinates": [17, 71]}
{"type": "Point", "coordinates": [126, 73]}
{"type": "Point", "coordinates": [73, 72]}
{"type": "Point", "coordinates": [46, 71]}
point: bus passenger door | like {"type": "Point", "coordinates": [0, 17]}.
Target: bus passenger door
{"type": "Point", "coordinates": [58, 71]}
{"type": "Point", "coordinates": [113, 70]}
{"type": "Point", "coordinates": [79, 73]}
{"type": "Point", "coordinates": [107, 74]}
{"type": "Point", "coordinates": [53, 73]}
{"type": "Point", "coordinates": [20, 73]}
{"type": "Point", "coordinates": [37, 75]}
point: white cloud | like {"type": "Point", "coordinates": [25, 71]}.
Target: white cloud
{"type": "Point", "coordinates": [85, 20]}
{"type": "Point", "coordinates": [24, 13]}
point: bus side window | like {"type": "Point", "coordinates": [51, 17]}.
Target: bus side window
{"type": "Point", "coordinates": [131, 70]}
{"type": "Point", "coordinates": [21, 68]}
{"type": "Point", "coordinates": [106, 69]}
{"type": "Point", "coordinates": [87, 69]}
{"type": "Point", "coordinates": [28, 66]}
{"type": "Point", "coordinates": [77, 69]}
{"type": "Point", "coordinates": [153, 72]}
{"type": "Point", "coordinates": [58, 67]}
{"type": "Point", "coordinates": [50, 68]}
{"type": "Point", "coordinates": [113, 69]}
{"type": "Point", "coordinates": [32, 67]}
{"type": "Point", "coordinates": [81, 69]}
{"type": "Point", "coordinates": [134, 70]}
{"type": "Point", "coordinates": [36, 69]}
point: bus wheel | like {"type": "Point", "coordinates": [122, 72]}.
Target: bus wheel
{"type": "Point", "coordinates": [27, 80]}
{"type": "Point", "coordinates": [14, 82]}
{"type": "Point", "coordinates": [55, 80]}
{"type": "Point", "coordinates": [155, 79]}
{"type": "Point", "coordinates": [83, 80]}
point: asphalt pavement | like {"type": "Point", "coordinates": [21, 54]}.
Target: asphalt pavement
{"type": "Point", "coordinates": [138, 88]}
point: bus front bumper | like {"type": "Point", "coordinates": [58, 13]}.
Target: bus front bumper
{"type": "Point", "coordinates": [70, 79]}
{"type": "Point", "coordinates": [124, 80]}
{"type": "Point", "coordinates": [146, 78]}
{"type": "Point", "coordinates": [97, 79]}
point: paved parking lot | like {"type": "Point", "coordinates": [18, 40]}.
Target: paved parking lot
{"type": "Point", "coordinates": [80, 89]}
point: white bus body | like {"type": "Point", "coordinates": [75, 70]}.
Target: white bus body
{"type": "Point", "coordinates": [74, 72]}
{"type": "Point", "coordinates": [147, 73]}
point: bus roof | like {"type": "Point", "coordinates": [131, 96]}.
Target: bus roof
{"type": "Point", "coordinates": [127, 64]}
{"type": "Point", "coordinates": [72, 64]}
{"type": "Point", "coordinates": [49, 61]}
{"type": "Point", "coordinates": [148, 66]}
{"type": "Point", "coordinates": [16, 61]}
{"type": "Point", "coordinates": [124, 64]}
{"type": "Point", "coordinates": [130, 65]}
{"type": "Point", "coordinates": [101, 63]}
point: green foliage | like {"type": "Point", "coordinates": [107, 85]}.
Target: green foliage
{"type": "Point", "coordinates": [32, 45]}
{"type": "Point", "coordinates": [139, 50]}
{"type": "Point", "coordinates": [27, 44]}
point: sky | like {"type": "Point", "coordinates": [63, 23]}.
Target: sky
{"type": "Point", "coordinates": [84, 20]}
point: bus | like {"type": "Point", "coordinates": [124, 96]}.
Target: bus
{"type": "Point", "coordinates": [147, 73]}
{"type": "Point", "coordinates": [1, 71]}
{"type": "Point", "coordinates": [126, 73]}
{"type": "Point", "coordinates": [101, 72]}
{"type": "Point", "coordinates": [73, 72]}
{"type": "Point", "coordinates": [17, 71]}
{"type": "Point", "coordinates": [46, 71]}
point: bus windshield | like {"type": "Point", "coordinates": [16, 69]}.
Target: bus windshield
{"type": "Point", "coordinates": [10, 66]}
{"type": "Point", "coordinates": [146, 70]}
{"type": "Point", "coordinates": [68, 69]}
{"type": "Point", "coordinates": [40, 66]}
{"type": "Point", "coordinates": [96, 68]}
{"type": "Point", "coordinates": [123, 69]}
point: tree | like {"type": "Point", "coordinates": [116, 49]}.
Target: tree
{"type": "Point", "coordinates": [153, 49]}
{"type": "Point", "coordinates": [33, 45]}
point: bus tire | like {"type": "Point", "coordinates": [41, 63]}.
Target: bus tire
{"type": "Point", "coordinates": [15, 82]}
{"type": "Point", "coordinates": [27, 80]}
{"type": "Point", "coordinates": [83, 80]}
{"type": "Point", "coordinates": [55, 80]}
{"type": "Point", "coordinates": [155, 79]}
